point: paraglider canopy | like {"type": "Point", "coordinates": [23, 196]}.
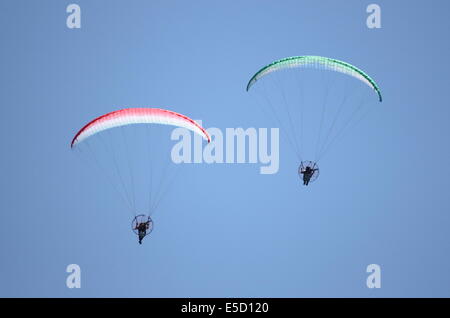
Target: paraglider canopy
{"type": "Point", "coordinates": [318, 62]}
{"type": "Point", "coordinates": [130, 116]}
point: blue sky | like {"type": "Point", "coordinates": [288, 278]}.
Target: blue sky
{"type": "Point", "coordinates": [224, 230]}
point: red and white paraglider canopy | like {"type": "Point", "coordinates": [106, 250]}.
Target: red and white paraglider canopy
{"type": "Point", "coordinates": [131, 116]}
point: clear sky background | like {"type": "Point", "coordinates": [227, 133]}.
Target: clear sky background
{"type": "Point", "coordinates": [224, 230]}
